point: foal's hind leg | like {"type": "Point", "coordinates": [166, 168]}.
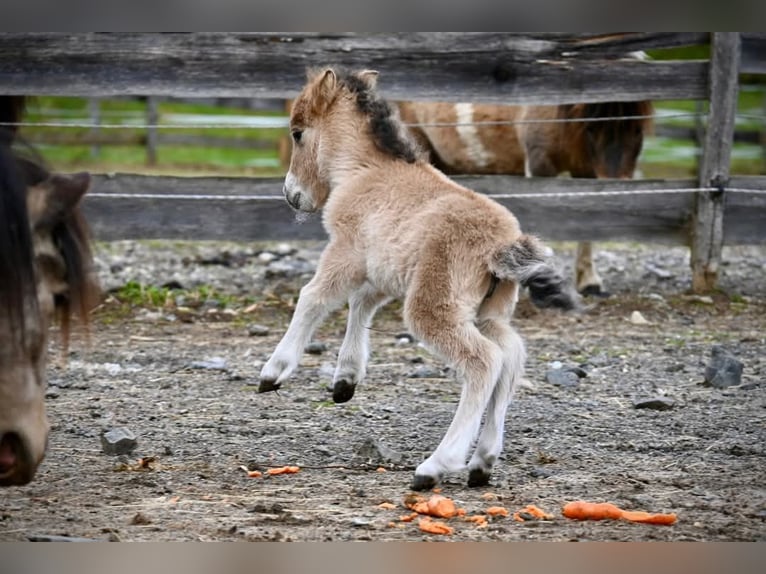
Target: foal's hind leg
{"type": "Point", "coordinates": [355, 350]}
{"type": "Point", "coordinates": [490, 442]}
{"type": "Point", "coordinates": [450, 331]}
{"type": "Point", "coordinates": [336, 277]}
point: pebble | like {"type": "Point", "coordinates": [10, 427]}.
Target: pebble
{"type": "Point", "coordinates": [562, 377]}
{"type": "Point", "coordinates": [724, 369]}
{"type": "Point", "coordinates": [655, 403]}
{"type": "Point", "coordinates": [255, 330]}
{"type": "Point", "coordinates": [118, 441]}
{"type": "Point", "coordinates": [638, 319]}
{"type": "Point", "coordinates": [213, 363]}
{"type": "Point", "coordinates": [425, 372]}
{"type": "Point", "coordinates": [374, 452]}
{"type": "Point", "coordinates": [315, 348]}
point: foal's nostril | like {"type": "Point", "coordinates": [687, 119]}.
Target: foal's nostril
{"type": "Point", "coordinates": [16, 467]}
{"type": "Point", "coordinates": [295, 200]}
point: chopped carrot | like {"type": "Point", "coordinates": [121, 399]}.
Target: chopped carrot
{"type": "Point", "coordinates": [434, 526]}
{"type": "Point", "coordinates": [531, 511]}
{"type": "Point", "coordinates": [478, 519]}
{"type": "Point", "coordinates": [408, 517]}
{"type": "Point", "coordinates": [489, 496]}
{"type": "Point", "coordinates": [581, 510]}
{"type": "Point", "coordinates": [254, 474]}
{"type": "Point", "coordinates": [437, 505]}
{"type": "Point", "coordinates": [386, 506]}
{"type": "Point", "coordinates": [283, 470]}
{"type": "Point", "coordinates": [380, 469]}
{"type": "Point", "coordinates": [497, 511]}
{"type": "Point", "coordinates": [461, 511]}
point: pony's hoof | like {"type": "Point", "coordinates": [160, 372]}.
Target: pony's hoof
{"type": "Point", "coordinates": [423, 482]}
{"type": "Point", "coordinates": [343, 391]}
{"type": "Point", "coordinates": [594, 291]}
{"type": "Point", "coordinates": [267, 385]}
{"type": "Point", "coordinates": [478, 477]}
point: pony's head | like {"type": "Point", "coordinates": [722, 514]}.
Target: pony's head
{"type": "Point", "coordinates": [339, 123]}
{"type": "Point", "coordinates": [608, 148]}
{"type": "Point", "coordinates": [45, 270]}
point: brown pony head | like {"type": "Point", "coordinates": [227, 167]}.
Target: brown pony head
{"type": "Point", "coordinates": [606, 148]}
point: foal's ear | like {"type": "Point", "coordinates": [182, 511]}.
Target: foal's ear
{"type": "Point", "coordinates": [369, 77]}
{"type": "Point", "coordinates": [327, 83]}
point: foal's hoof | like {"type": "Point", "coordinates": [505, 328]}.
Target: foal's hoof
{"type": "Point", "coordinates": [343, 391]}
{"type": "Point", "coordinates": [478, 477]}
{"type": "Point", "coordinates": [267, 385]}
{"type": "Point", "coordinates": [594, 291]}
{"type": "Point", "coordinates": [423, 482]}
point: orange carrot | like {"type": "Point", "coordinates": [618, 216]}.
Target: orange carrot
{"type": "Point", "coordinates": [478, 519]}
{"type": "Point", "coordinates": [283, 470]}
{"type": "Point", "coordinates": [581, 510]}
{"type": "Point", "coordinates": [254, 474]}
{"type": "Point", "coordinates": [497, 511]}
{"type": "Point", "coordinates": [434, 526]}
{"type": "Point", "coordinates": [408, 517]}
{"type": "Point", "coordinates": [533, 511]}
{"type": "Point", "coordinates": [437, 505]}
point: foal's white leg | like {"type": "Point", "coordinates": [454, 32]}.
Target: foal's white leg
{"type": "Point", "coordinates": [587, 279]}
{"type": "Point", "coordinates": [478, 362]}
{"type": "Point", "coordinates": [355, 350]}
{"type": "Point", "coordinates": [335, 278]}
{"type": "Point", "coordinates": [490, 442]}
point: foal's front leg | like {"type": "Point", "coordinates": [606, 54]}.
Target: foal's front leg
{"type": "Point", "coordinates": [355, 350]}
{"type": "Point", "coordinates": [334, 279]}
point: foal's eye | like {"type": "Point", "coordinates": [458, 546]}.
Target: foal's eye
{"type": "Point", "coordinates": [297, 135]}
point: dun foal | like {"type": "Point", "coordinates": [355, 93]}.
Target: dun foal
{"type": "Point", "coordinates": [400, 228]}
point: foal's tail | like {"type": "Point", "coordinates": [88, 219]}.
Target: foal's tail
{"type": "Point", "coordinates": [527, 261]}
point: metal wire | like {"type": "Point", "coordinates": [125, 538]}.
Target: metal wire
{"type": "Point", "coordinates": [552, 195]}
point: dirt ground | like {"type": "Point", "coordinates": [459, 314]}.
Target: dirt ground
{"type": "Point", "coordinates": [187, 389]}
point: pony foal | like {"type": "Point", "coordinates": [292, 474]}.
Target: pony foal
{"type": "Point", "coordinates": [400, 228]}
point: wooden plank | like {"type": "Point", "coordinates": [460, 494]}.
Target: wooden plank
{"type": "Point", "coordinates": [707, 229]}
{"type": "Point", "coordinates": [486, 66]}
{"type": "Point", "coordinates": [121, 138]}
{"type": "Point", "coordinates": [753, 59]}
{"type": "Point", "coordinates": [152, 119]}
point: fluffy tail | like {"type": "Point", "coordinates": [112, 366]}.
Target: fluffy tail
{"type": "Point", "coordinates": [527, 261]}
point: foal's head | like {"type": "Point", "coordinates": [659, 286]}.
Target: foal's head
{"type": "Point", "coordinates": [608, 148]}
{"type": "Point", "coordinates": [339, 123]}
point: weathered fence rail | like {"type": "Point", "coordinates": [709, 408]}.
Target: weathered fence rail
{"type": "Point", "coordinates": [482, 67]}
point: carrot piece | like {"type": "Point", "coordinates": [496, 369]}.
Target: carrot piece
{"type": "Point", "coordinates": [408, 517]}
{"type": "Point", "coordinates": [581, 510]}
{"type": "Point", "coordinates": [648, 518]}
{"type": "Point", "coordinates": [434, 526]}
{"type": "Point", "coordinates": [254, 474]}
{"type": "Point", "coordinates": [497, 511]}
{"type": "Point", "coordinates": [437, 505]}
{"type": "Point", "coordinates": [533, 511]}
{"type": "Point", "coordinates": [283, 470]}
{"type": "Point", "coordinates": [478, 519]}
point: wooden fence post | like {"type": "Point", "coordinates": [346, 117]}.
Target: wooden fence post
{"type": "Point", "coordinates": [707, 228]}
{"type": "Point", "coordinates": [152, 118]}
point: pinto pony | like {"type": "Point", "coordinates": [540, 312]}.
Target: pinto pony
{"type": "Point", "coordinates": [543, 141]}
{"type": "Point", "coordinates": [45, 263]}
{"type": "Point", "coordinates": [400, 228]}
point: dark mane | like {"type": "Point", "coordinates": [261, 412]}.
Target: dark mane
{"type": "Point", "coordinates": [387, 131]}
{"type": "Point", "coordinates": [18, 291]}
{"type": "Point", "coordinates": [606, 110]}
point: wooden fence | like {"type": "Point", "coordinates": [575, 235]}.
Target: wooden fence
{"type": "Point", "coordinates": [481, 67]}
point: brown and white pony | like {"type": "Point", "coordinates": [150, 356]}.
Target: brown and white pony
{"type": "Point", "coordinates": [535, 141]}
{"type": "Point", "coordinates": [399, 228]}
{"type": "Point", "coordinates": [45, 271]}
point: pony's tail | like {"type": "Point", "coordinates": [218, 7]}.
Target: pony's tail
{"type": "Point", "coordinates": [527, 262]}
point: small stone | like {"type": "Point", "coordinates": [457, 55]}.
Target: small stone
{"type": "Point", "coordinates": [562, 377]}
{"type": "Point", "coordinates": [371, 451]}
{"type": "Point", "coordinates": [724, 369]}
{"type": "Point", "coordinates": [659, 271]}
{"type": "Point", "coordinates": [213, 363]}
{"type": "Point", "coordinates": [655, 403]}
{"type": "Point", "coordinates": [425, 372]}
{"type": "Point", "coordinates": [284, 249]}
{"type": "Point", "coordinates": [315, 348]}
{"type": "Point", "coordinates": [638, 319]}
{"type": "Point", "coordinates": [267, 257]}
{"type": "Point", "coordinates": [118, 441]}
{"type": "Point", "coordinates": [52, 393]}
{"type": "Point", "coordinates": [254, 330]}
{"type": "Point", "coordinates": [702, 299]}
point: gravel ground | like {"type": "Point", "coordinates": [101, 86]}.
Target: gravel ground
{"type": "Point", "coordinates": [182, 376]}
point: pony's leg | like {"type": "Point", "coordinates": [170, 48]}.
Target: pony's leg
{"type": "Point", "coordinates": [336, 277]}
{"type": "Point", "coordinates": [448, 330]}
{"type": "Point", "coordinates": [586, 277]}
{"type": "Point", "coordinates": [355, 350]}
{"type": "Point", "coordinates": [490, 442]}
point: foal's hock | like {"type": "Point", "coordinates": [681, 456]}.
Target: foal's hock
{"type": "Point", "coordinates": [398, 227]}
